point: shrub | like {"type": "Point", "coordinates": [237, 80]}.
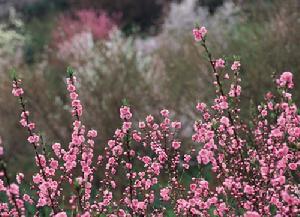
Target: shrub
{"type": "Point", "coordinates": [255, 164]}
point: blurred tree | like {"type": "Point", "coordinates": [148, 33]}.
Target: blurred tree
{"type": "Point", "coordinates": [42, 8]}
{"type": "Point", "coordinates": [146, 15]}
{"type": "Point", "coordinates": [6, 5]}
{"type": "Point", "coordinates": [267, 40]}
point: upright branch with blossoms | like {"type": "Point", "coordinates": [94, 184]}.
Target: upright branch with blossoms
{"type": "Point", "coordinates": [143, 169]}
{"type": "Point", "coordinates": [256, 171]}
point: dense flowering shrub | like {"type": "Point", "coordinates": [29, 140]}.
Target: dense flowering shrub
{"type": "Point", "coordinates": [255, 165]}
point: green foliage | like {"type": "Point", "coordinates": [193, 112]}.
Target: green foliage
{"type": "Point", "coordinates": [13, 74]}
{"type": "Point", "coordinates": [170, 213]}
{"type": "Point", "coordinates": [42, 8]}
{"type": "Point", "coordinates": [38, 35]}
{"type": "Point", "coordinates": [70, 71]}
{"type": "Point", "coordinates": [125, 102]}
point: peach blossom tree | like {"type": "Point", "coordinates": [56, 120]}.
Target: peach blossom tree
{"type": "Point", "coordinates": [145, 169]}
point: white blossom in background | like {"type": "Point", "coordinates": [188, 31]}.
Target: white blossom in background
{"type": "Point", "coordinates": [93, 58]}
{"type": "Point", "coordinates": [80, 46]}
{"type": "Point", "coordinates": [183, 16]}
{"type": "Point", "coordinates": [11, 42]}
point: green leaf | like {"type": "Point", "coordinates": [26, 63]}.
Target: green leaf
{"type": "Point", "coordinates": [125, 102]}
{"type": "Point", "coordinates": [70, 71]}
{"type": "Point", "coordinates": [76, 185]}
{"type": "Point", "coordinates": [170, 213]}
{"type": "Point", "coordinates": [13, 74]}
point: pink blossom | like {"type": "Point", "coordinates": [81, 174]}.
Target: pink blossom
{"type": "Point", "coordinates": [125, 113]}
{"type": "Point", "coordinates": [33, 139]}
{"type": "Point", "coordinates": [19, 177]}
{"type": "Point", "coordinates": [225, 121]}
{"type": "Point", "coordinates": [73, 96]}
{"type": "Point", "coordinates": [156, 168]}
{"type": "Point", "coordinates": [165, 113]}
{"type": "Point", "coordinates": [86, 214]}
{"type": "Point", "coordinates": [92, 133]}
{"type": "Point", "coordinates": [176, 144]}
{"type": "Point", "coordinates": [204, 156]}
{"type": "Point", "coordinates": [292, 166]}
{"type": "Point", "coordinates": [37, 178]}
{"type": "Point", "coordinates": [286, 79]}
{"type": "Point", "coordinates": [248, 189]}
{"type": "Point", "coordinates": [251, 214]}
{"type": "Point", "coordinates": [142, 125]}
{"type": "Point", "coordinates": [61, 214]}
{"type": "Point", "coordinates": [14, 189]}
{"type": "Point", "coordinates": [201, 106]}
{"type": "Point", "coordinates": [54, 164]}
{"type": "Point", "coordinates": [146, 159]}
{"type": "Point", "coordinates": [126, 126]}
{"type": "Point", "coordinates": [17, 92]}
{"type": "Point", "coordinates": [27, 198]}
{"type": "Point", "coordinates": [71, 88]}
{"type": "Point", "coordinates": [164, 193]}
{"type": "Point", "coordinates": [236, 65]}
{"type": "Point", "coordinates": [136, 137]}
{"type": "Point", "coordinates": [187, 158]}
{"type": "Point", "coordinates": [199, 33]}
{"type": "Point", "coordinates": [31, 126]}
{"type": "Point", "coordinates": [219, 63]}
{"type": "Point", "coordinates": [176, 124]}
{"type": "Point", "coordinates": [121, 213]}
{"type": "Point", "coordinates": [149, 118]}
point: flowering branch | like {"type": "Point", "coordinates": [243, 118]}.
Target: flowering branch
{"type": "Point", "coordinates": [33, 139]}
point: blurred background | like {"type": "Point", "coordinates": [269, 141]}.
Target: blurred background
{"type": "Point", "coordinates": [139, 50]}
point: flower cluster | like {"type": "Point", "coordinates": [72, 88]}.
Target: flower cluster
{"type": "Point", "coordinates": [199, 33]}
{"type": "Point", "coordinates": [145, 169]}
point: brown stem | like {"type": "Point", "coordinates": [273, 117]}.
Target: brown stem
{"type": "Point", "coordinates": [130, 170]}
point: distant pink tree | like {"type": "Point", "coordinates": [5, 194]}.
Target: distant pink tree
{"type": "Point", "coordinates": [96, 22]}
